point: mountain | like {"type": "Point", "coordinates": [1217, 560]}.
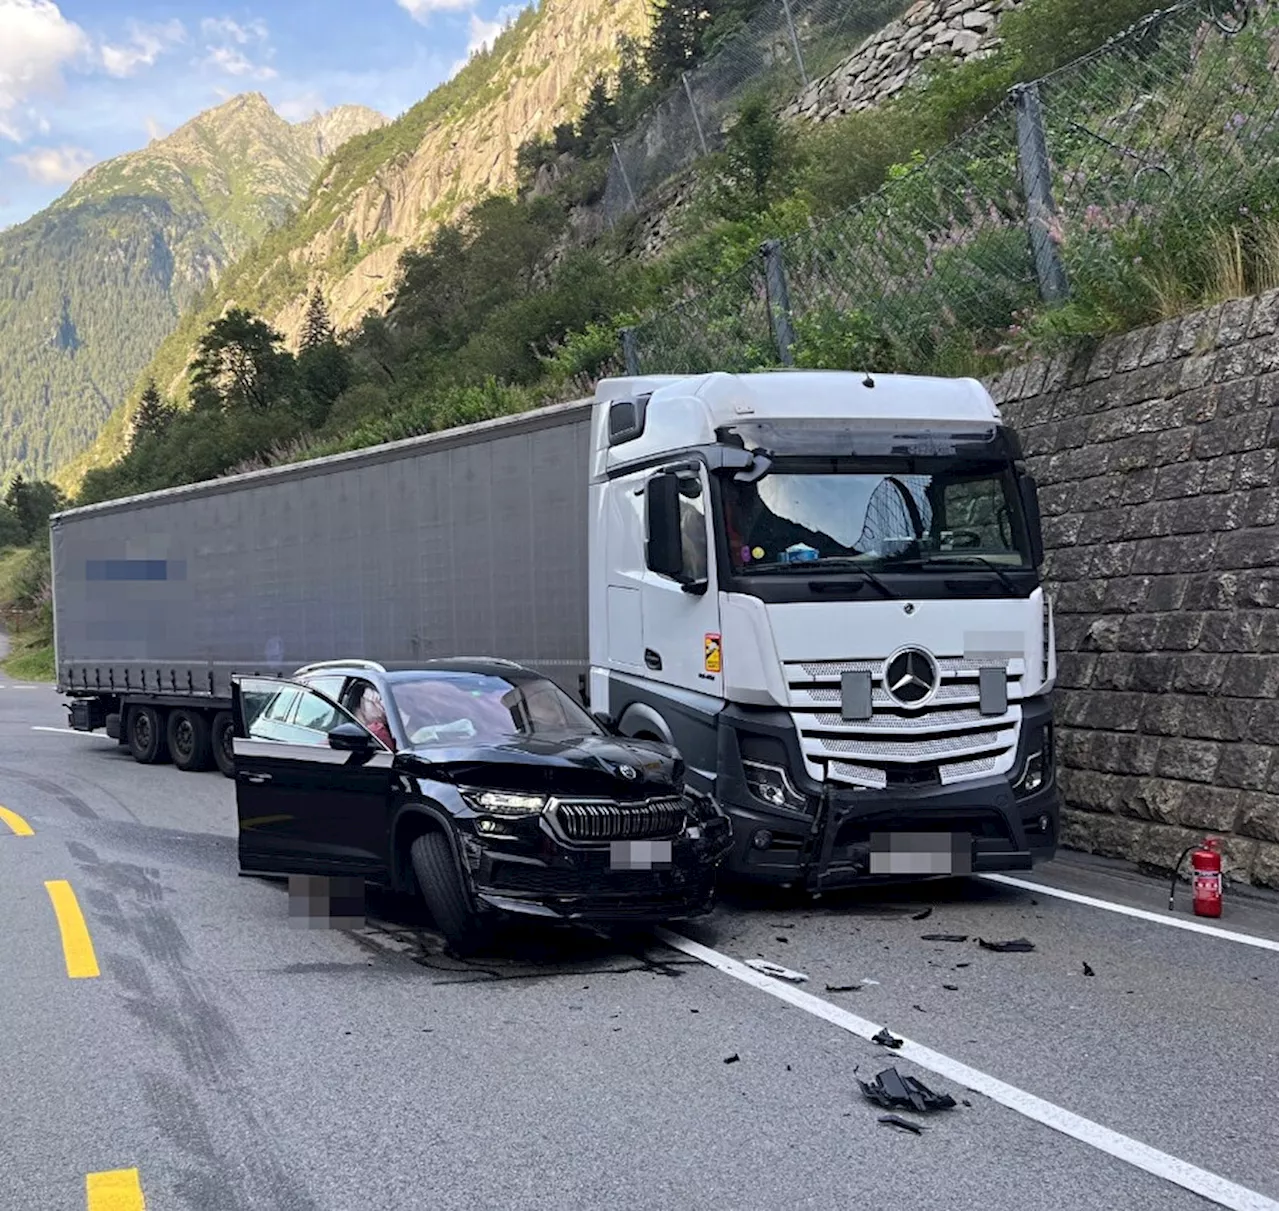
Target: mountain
{"type": "Point", "coordinates": [389, 188]}
{"type": "Point", "coordinates": [91, 285]}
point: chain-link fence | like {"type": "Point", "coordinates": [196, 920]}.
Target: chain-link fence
{"type": "Point", "coordinates": [787, 44]}
{"type": "Point", "coordinates": [1107, 178]}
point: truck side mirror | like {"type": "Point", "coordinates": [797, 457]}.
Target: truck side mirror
{"type": "Point", "coordinates": [1030, 493]}
{"type": "Point", "coordinates": [664, 551]}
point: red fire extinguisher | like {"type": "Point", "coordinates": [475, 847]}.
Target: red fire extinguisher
{"type": "Point", "coordinates": [1206, 878]}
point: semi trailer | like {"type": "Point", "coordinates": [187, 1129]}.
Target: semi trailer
{"type": "Point", "coordinates": [822, 587]}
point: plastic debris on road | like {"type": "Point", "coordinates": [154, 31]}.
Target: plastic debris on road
{"type": "Point", "coordinates": [1017, 945]}
{"type": "Point", "coordinates": [779, 973]}
{"type": "Point", "coordinates": [894, 1091]}
{"type": "Point", "coordinates": [885, 1039]}
{"type": "Point", "coordinates": [944, 937]}
{"type": "Point", "coordinates": [896, 1120]}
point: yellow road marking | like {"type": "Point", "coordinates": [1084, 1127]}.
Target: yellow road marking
{"type": "Point", "coordinates": [19, 826]}
{"type": "Point", "coordinates": [114, 1190]}
{"type": "Point", "coordinates": [77, 948]}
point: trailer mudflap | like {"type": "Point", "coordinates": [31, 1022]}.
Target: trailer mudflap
{"type": "Point", "coordinates": [832, 861]}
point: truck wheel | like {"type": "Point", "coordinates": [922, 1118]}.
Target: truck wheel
{"type": "Point", "coordinates": [147, 736]}
{"type": "Point", "coordinates": [188, 736]}
{"type": "Point", "coordinates": [221, 741]}
{"type": "Point", "coordinates": [444, 895]}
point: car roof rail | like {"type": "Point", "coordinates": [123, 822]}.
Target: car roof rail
{"type": "Point", "coordinates": [355, 662]}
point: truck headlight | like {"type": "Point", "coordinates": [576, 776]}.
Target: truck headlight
{"type": "Point", "coordinates": [770, 784]}
{"type": "Point", "coordinates": [505, 803]}
{"type": "Point", "coordinates": [1037, 769]}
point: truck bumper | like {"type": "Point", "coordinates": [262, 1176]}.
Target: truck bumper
{"type": "Point", "coordinates": [859, 836]}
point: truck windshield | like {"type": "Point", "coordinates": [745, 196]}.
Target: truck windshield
{"type": "Point", "coordinates": [480, 708]}
{"type": "Point", "coordinates": [911, 512]}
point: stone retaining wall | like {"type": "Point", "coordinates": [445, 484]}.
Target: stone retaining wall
{"type": "Point", "coordinates": [1156, 456]}
{"type": "Point", "coordinates": [886, 62]}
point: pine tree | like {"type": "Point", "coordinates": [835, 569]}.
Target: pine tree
{"type": "Point", "coordinates": [153, 414]}
{"type": "Point", "coordinates": [317, 329]}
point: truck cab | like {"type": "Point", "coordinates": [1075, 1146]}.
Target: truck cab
{"type": "Point", "coordinates": [823, 587]}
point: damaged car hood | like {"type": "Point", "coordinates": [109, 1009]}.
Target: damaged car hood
{"type": "Point", "coordinates": [579, 765]}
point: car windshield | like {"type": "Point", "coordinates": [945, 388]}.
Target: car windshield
{"type": "Point", "coordinates": [910, 512]}
{"type": "Point", "coordinates": [482, 708]}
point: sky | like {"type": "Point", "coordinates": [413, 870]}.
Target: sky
{"type": "Point", "coordinates": [84, 80]}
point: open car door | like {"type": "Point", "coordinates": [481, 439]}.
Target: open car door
{"type": "Point", "coordinates": [309, 799]}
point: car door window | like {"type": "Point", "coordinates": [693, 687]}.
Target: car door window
{"type": "Point", "coordinates": [291, 715]}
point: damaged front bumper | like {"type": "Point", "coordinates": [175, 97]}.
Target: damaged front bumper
{"type": "Point", "coordinates": [584, 883]}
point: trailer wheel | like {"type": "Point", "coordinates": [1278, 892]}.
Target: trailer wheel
{"type": "Point", "coordinates": [189, 741]}
{"type": "Point", "coordinates": [222, 742]}
{"type": "Point", "coordinates": [146, 732]}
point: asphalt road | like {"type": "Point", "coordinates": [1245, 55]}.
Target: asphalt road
{"type": "Point", "coordinates": [235, 1060]}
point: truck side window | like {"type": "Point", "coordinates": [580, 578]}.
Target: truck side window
{"type": "Point", "coordinates": [693, 535]}
{"type": "Point", "coordinates": [979, 507]}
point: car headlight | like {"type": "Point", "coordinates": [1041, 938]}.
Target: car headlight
{"type": "Point", "coordinates": [506, 803]}
{"type": "Point", "coordinates": [770, 784]}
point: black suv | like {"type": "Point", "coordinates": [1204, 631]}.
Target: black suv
{"type": "Point", "coordinates": [478, 782]}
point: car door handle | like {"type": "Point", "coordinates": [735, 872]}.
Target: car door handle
{"type": "Point", "coordinates": [652, 659]}
{"type": "Point", "coordinates": [257, 777]}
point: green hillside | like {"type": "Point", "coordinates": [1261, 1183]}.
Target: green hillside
{"type": "Point", "coordinates": [91, 285]}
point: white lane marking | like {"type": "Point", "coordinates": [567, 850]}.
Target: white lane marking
{"type": "Point", "coordinates": [1141, 913]}
{"type": "Point", "coordinates": [1208, 1185]}
{"type": "Point", "coordinates": [70, 731]}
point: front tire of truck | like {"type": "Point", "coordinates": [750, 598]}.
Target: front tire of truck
{"type": "Point", "coordinates": [146, 732]}
{"type": "Point", "coordinates": [189, 742]}
{"type": "Point", "coordinates": [444, 894]}
{"type": "Point", "coordinates": [222, 738]}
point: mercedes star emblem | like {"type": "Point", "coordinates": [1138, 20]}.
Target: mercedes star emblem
{"type": "Point", "coordinates": [911, 676]}
{"type": "Point", "coordinates": [628, 772]}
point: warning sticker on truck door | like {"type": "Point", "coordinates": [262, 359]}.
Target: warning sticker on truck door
{"type": "Point", "coordinates": [711, 653]}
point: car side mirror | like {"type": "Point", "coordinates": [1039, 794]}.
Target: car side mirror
{"type": "Point", "coordinates": [1029, 490]}
{"type": "Point", "coordinates": [350, 738]}
{"type": "Point", "coordinates": [606, 721]}
{"type": "Point", "coordinates": [664, 551]}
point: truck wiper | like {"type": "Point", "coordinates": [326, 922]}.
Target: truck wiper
{"type": "Point", "coordinates": [821, 586]}
{"type": "Point", "coordinates": [984, 562]}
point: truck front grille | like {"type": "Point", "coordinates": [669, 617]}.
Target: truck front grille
{"type": "Point", "coordinates": [948, 740]}
{"type": "Point", "coordinates": [602, 821]}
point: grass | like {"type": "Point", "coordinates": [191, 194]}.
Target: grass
{"type": "Point", "coordinates": [30, 656]}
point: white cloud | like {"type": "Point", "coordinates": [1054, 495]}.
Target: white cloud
{"type": "Point", "coordinates": [482, 34]}
{"type": "Point", "coordinates": [36, 42]}
{"type": "Point", "coordinates": [54, 165]}
{"type": "Point", "coordinates": [302, 107]}
{"type": "Point", "coordinates": [421, 10]}
{"type": "Point", "coordinates": [155, 130]}
{"type": "Point", "coordinates": [225, 38]}
{"type": "Point", "coordinates": [146, 43]}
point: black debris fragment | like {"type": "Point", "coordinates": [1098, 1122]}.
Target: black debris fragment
{"type": "Point", "coordinates": [1087, 969]}
{"type": "Point", "coordinates": [788, 1067]}
{"type": "Point", "coordinates": [1035, 902]}
{"type": "Point", "coordinates": [964, 965]}
{"type": "Point", "coordinates": [732, 1059]}
{"type": "Point", "coordinates": [944, 937]}
{"type": "Point", "coordinates": [781, 938]}
{"type": "Point", "coordinates": [844, 987]}
{"type": "Point", "coordinates": [693, 1011]}
{"type": "Point", "coordinates": [964, 1101]}
{"type": "Point", "coordinates": [885, 1039]}
{"type": "Point", "coordinates": [920, 916]}
{"type": "Point", "coordinates": [893, 1091]}
{"type": "Point", "coordinates": [894, 1120]}
{"type": "Point", "coordinates": [921, 1008]}
{"type": "Point", "coordinates": [1017, 945]}
{"type": "Point", "coordinates": [952, 987]}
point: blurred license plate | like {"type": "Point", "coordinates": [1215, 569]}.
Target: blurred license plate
{"type": "Point", "coordinates": [921, 853]}
{"type": "Point", "coordinates": [639, 855]}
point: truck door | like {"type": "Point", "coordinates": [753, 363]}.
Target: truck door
{"type": "Point", "coordinates": [680, 608]}
{"type": "Point", "coordinates": [304, 807]}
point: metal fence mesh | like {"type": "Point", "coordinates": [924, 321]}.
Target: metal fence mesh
{"type": "Point", "coordinates": [1164, 139]}
{"type": "Point", "coordinates": [690, 120]}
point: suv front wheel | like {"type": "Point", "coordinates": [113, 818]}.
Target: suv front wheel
{"type": "Point", "coordinates": [444, 894]}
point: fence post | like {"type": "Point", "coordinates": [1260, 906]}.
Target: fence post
{"type": "Point", "coordinates": [778, 300]}
{"type": "Point", "coordinates": [1037, 185]}
{"type": "Point", "coordinates": [622, 168]}
{"type": "Point", "coordinates": [630, 358]}
{"type": "Point", "coordinates": [795, 43]}
{"type": "Point", "coordinates": [697, 122]}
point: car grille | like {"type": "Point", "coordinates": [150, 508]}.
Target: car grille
{"type": "Point", "coordinates": [603, 821]}
{"type": "Point", "coordinates": [948, 740]}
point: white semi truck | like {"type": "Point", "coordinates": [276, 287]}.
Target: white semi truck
{"type": "Point", "coordinates": [822, 587]}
